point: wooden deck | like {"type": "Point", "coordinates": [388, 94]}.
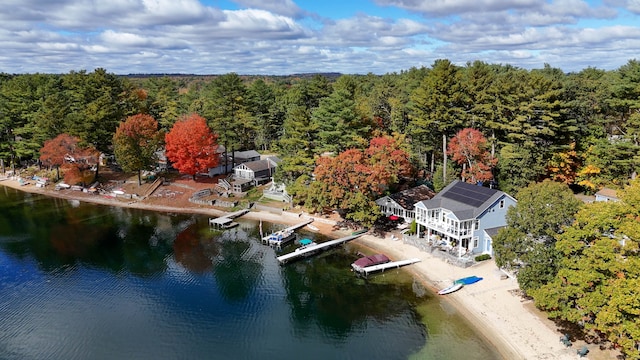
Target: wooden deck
{"type": "Point", "coordinates": [225, 222]}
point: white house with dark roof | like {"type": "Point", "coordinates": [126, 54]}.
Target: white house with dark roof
{"type": "Point", "coordinates": [258, 171]}
{"type": "Point", "coordinates": [402, 204]}
{"type": "Point", "coordinates": [464, 216]}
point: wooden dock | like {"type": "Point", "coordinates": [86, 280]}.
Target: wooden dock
{"type": "Point", "coordinates": [226, 221]}
{"type": "Point", "coordinates": [392, 264]}
{"type": "Point", "coordinates": [315, 248]}
{"type": "Point", "coordinates": [273, 239]}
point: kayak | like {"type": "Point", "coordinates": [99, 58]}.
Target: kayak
{"type": "Point", "coordinates": [450, 289]}
{"type": "Point", "coordinates": [468, 280]}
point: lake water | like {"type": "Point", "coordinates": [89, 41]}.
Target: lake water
{"type": "Point", "coordinates": [83, 281]}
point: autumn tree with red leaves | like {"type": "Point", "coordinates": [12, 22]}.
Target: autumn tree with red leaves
{"type": "Point", "coordinates": [191, 145]}
{"type": "Point", "coordinates": [65, 151]}
{"type": "Point", "coordinates": [82, 166]}
{"type": "Point", "coordinates": [54, 151]}
{"type": "Point", "coordinates": [470, 149]}
{"type": "Point", "coordinates": [353, 179]}
{"type": "Point", "coordinates": [135, 142]}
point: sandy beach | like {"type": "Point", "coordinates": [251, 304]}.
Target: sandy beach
{"type": "Point", "coordinates": [510, 323]}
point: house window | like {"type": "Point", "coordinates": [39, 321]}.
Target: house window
{"type": "Point", "coordinates": [475, 242]}
{"type": "Point", "coordinates": [477, 224]}
{"type": "Point", "coordinates": [501, 203]}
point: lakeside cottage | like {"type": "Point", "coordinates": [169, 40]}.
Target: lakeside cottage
{"type": "Point", "coordinates": [606, 194]}
{"type": "Point", "coordinates": [463, 217]}
{"type": "Point", "coordinates": [402, 204]}
{"type": "Point", "coordinates": [226, 165]}
{"type": "Point", "coordinates": [258, 171]}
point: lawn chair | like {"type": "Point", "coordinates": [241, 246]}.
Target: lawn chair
{"type": "Point", "coordinates": [564, 339]}
{"type": "Point", "coordinates": [583, 351]}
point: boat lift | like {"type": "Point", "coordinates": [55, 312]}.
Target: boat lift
{"type": "Point", "coordinates": [392, 264]}
{"type": "Point", "coordinates": [269, 241]}
{"type": "Point", "coordinates": [322, 246]}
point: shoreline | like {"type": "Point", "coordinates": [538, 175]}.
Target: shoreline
{"type": "Point", "coordinates": [492, 306]}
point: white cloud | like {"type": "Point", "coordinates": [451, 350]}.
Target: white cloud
{"type": "Point", "coordinates": [455, 7]}
{"type": "Point", "coordinates": [257, 23]}
{"type": "Point", "coordinates": [281, 7]}
{"type": "Point", "coordinates": [278, 37]}
{"type": "Point", "coordinates": [632, 6]}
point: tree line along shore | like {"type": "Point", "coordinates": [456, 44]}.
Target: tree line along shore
{"type": "Point", "coordinates": [346, 140]}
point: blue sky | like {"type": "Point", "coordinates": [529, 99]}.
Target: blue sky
{"type": "Point", "coordinates": [300, 36]}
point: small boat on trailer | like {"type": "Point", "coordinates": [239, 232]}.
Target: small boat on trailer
{"type": "Point", "coordinates": [367, 261]}
{"type": "Point", "coordinates": [450, 289]}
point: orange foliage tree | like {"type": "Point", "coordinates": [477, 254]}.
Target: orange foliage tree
{"type": "Point", "coordinates": [563, 166]}
{"type": "Point", "coordinates": [54, 151]}
{"type": "Point", "coordinates": [470, 149]}
{"type": "Point", "coordinates": [64, 151]}
{"type": "Point", "coordinates": [135, 142]}
{"type": "Point", "coordinates": [191, 145]}
{"type": "Point", "coordinates": [354, 178]}
{"type": "Point", "coordinates": [79, 168]}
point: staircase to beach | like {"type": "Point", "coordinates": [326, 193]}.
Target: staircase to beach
{"type": "Point", "coordinates": [154, 186]}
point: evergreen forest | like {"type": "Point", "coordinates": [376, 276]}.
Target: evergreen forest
{"type": "Point", "coordinates": [540, 135]}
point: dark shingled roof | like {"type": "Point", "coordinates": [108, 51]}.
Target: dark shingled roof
{"type": "Point", "coordinates": [246, 154]}
{"type": "Point", "coordinates": [410, 197]}
{"type": "Point", "coordinates": [258, 165]}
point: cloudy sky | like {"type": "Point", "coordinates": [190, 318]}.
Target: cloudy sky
{"type": "Point", "coordinates": [300, 36]}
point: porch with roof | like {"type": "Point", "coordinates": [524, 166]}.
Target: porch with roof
{"type": "Point", "coordinates": [444, 230]}
{"type": "Point", "coordinates": [456, 220]}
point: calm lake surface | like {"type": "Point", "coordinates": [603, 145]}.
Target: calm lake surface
{"type": "Point", "coordinates": [83, 281]}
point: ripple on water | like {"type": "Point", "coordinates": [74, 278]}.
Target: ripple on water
{"type": "Point", "coordinates": [227, 297]}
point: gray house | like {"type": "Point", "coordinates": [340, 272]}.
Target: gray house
{"type": "Point", "coordinates": [258, 171]}
{"type": "Point", "coordinates": [402, 204]}
{"type": "Point", "coordinates": [464, 217]}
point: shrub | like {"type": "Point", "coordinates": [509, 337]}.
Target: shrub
{"type": "Point", "coordinates": [413, 228]}
{"type": "Point", "coordinates": [482, 257]}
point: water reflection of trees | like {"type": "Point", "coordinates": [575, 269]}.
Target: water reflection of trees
{"type": "Point", "coordinates": [238, 266]}
{"type": "Point", "coordinates": [58, 234]}
{"type": "Point", "coordinates": [323, 291]}
{"type": "Point", "coordinates": [194, 251]}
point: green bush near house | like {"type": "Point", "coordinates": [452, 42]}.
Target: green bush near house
{"type": "Point", "coordinates": [482, 257]}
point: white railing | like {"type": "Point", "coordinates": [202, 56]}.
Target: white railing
{"type": "Point", "coordinates": [448, 230]}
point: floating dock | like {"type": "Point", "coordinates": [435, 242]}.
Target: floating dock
{"type": "Point", "coordinates": [226, 222]}
{"type": "Point", "coordinates": [392, 264]}
{"type": "Point", "coordinates": [285, 235]}
{"type": "Point", "coordinates": [311, 249]}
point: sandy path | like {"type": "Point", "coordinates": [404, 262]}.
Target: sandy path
{"type": "Point", "coordinates": [513, 326]}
